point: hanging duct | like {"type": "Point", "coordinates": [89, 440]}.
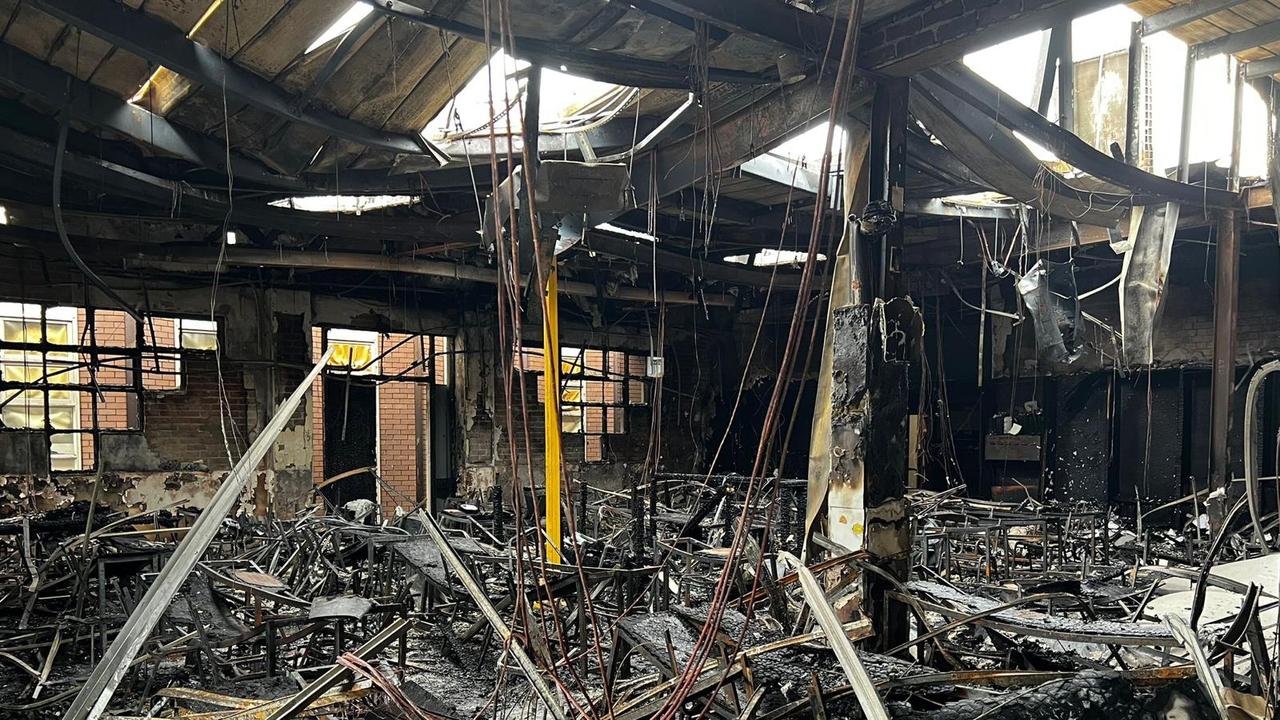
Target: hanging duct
{"type": "Point", "coordinates": [1143, 279]}
{"type": "Point", "coordinates": [1049, 291]}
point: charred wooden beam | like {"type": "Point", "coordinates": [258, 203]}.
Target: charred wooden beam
{"type": "Point", "coordinates": [88, 104]}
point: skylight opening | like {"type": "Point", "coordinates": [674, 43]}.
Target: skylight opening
{"type": "Point", "coordinates": [567, 101]}
{"type": "Point", "coordinates": [772, 258]}
{"type": "Point", "coordinates": [341, 26]}
{"type": "Point", "coordinates": [346, 204]}
{"type": "Point", "coordinates": [806, 148]}
{"type": "Point", "coordinates": [160, 72]}
{"type": "Point", "coordinates": [628, 232]}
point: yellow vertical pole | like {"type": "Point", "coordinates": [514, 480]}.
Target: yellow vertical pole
{"type": "Point", "coordinates": [551, 412]}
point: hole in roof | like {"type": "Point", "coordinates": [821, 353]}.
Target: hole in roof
{"type": "Point", "coordinates": [770, 258]}
{"type": "Point", "coordinates": [568, 102]}
{"type": "Point", "coordinates": [350, 204]}
{"type": "Point", "coordinates": [353, 15]}
{"type": "Point", "coordinates": [806, 148]}
{"type": "Point", "coordinates": [163, 74]}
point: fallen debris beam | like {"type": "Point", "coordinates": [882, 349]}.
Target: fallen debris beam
{"type": "Point", "coordinates": [490, 613]}
{"type": "Point", "coordinates": [863, 686]}
{"type": "Point", "coordinates": [334, 675]}
{"type": "Point", "coordinates": [93, 697]}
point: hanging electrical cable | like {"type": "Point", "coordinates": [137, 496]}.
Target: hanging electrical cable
{"type": "Point", "coordinates": [61, 151]}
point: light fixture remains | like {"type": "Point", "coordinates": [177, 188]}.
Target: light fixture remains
{"type": "Point", "coordinates": [351, 204]}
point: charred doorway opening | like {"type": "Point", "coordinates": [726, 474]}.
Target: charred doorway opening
{"type": "Point", "coordinates": [350, 438]}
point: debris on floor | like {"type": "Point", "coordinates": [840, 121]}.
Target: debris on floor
{"type": "Point", "coordinates": [1018, 611]}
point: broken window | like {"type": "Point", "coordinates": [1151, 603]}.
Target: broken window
{"type": "Point", "coordinates": [388, 357]}
{"type": "Point", "coordinates": [74, 373]}
{"type": "Point", "coordinates": [596, 386]}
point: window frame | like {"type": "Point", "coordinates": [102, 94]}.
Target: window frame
{"type": "Point", "coordinates": [84, 354]}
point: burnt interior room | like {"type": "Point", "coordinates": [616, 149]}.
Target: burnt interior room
{"type": "Point", "coordinates": [639, 359]}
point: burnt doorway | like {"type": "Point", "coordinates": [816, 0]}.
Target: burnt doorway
{"type": "Point", "coordinates": [350, 438]}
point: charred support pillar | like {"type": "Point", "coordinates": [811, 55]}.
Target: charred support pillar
{"type": "Point", "coordinates": [886, 175]}
{"type": "Point", "coordinates": [874, 346]}
{"type": "Point", "coordinates": [1224, 345]}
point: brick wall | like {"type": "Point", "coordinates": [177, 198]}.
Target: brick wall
{"type": "Point", "coordinates": [402, 408]}
{"type": "Point", "coordinates": [119, 410]}
{"type": "Point", "coordinates": [939, 31]}
{"type": "Point", "coordinates": [184, 426]}
{"type": "Point", "coordinates": [403, 460]}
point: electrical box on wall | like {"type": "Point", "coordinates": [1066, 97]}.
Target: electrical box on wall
{"type": "Point", "coordinates": [656, 366]}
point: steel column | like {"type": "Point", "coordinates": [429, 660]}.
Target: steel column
{"type": "Point", "coordinates": [1188, 108]}
{"type": "Point", "coordinates": [1224, 346]}
{"type": "Point", "coordinates": [1133, 105]}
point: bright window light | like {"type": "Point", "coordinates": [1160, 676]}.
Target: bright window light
{"type": "Point", "coordinates": [353, 15]}
{"type": "Point", "coordinates": [4, 215]}
{"type": "Point", "coordinates": [352, 204]}
{"type": "Point", "coordinates": [1100, 38]}
{"type": "Point", "coordinates": [231, 237]}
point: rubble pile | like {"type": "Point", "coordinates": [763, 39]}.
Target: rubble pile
{"type": "Point", "coordinates": [1017, 611]}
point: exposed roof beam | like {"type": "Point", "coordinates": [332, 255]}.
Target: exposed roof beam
{"type": "Point", "coordinates": [1237, 41]}
{"type": "Point", "coordinates": [163, 44]}
{"type": "Point", "coordinates": [783, 171]}
{"type": "Point", "coordinates": [602, 242]}
{"type": "Point", "coordinates": [1262, 68]}
{"type": "Point", "coordinates": [592, 64]}
{"type": "Point", "coordinates": [88, 104]}
{"type": "Point", "coordinates": [202, 260]}
{"type": "Point", "coordinates": [771, 21]}
{"type": "Point", "coordinates": [745, 133]}
{"type": "Point", "coordinates": [33, 156]}
{"type": "Point", "coordinates": [1179, 15]}
{"type": "Point", "coordinates": [973, 90]}
{"type": "Point", "coordinates": [938, 207]}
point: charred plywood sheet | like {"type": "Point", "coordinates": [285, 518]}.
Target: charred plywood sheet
{"type": "Point", "coordinates": [227, 29]}
{"type": "Point", "coordinates": [34, 31]}
{"type": "Point", "coordinates": [291, 30]}
{"type": "Point", "coordinates": [121, 73]}
{"type": "Point", "coordinates": [642, 35]}
{"type": "Point", "coordinates": [437, 87]}
{"type": "Point", "coordinates": [542, 19]}
{"type": "Point", "coordinates": [182, 14]}
{"type": "Point", "coordinates": [388, 65]}
{"type": "Point", "coordinates": [81, 54]}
